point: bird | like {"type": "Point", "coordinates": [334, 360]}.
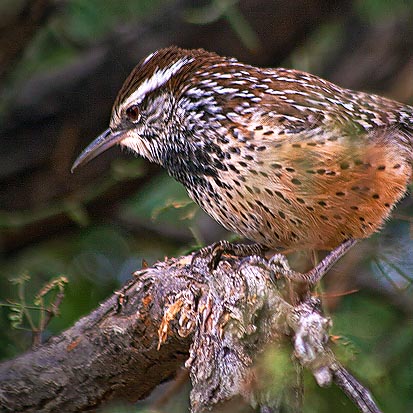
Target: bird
{"type": "Point", "coordinates": [279, 156]}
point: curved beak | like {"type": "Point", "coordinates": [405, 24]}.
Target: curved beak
{"type": "Point", "coordinates": [103, 142]}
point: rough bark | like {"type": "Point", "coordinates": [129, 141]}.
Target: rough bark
{"type": "Point", "coordinates": [221, 322]}
{"type": "Point", "coordinates": [109, 354]}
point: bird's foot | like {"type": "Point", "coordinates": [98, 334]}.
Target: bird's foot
{"type": "Point", "coordinates": [215, 251]}
{"type": "Point", "coordinates": [279, 267]}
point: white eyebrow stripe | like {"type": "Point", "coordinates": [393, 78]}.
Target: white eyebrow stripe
{"type": "Point", "coordinates": [149, 57]}
{"type": "Point", "coordinates": [159, 78]}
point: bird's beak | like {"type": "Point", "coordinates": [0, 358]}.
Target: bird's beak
{"type": "Point", "coordinates": [103, 142]}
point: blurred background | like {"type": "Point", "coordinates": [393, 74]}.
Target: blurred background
{"type": "Point", "coordinates": [61, 65]}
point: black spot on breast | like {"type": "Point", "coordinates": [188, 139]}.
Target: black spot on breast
{"type": "Point", "coordinates": [233, 168]}
{"type": "Point", "coordinates": [223, 139]}
{"type": "Point", "coordinates": [280, 195]}
{"type": "Point", "coordinates": [222, 184]}
{"type": "Point", "coordinates": [264, 207]}
{"type": "Point", "coordinates": [269, 192]}
{"type": "Point", "coordinates": [253, 217]}
{"type": "Point", "coordinates": [262, 234]}
{"type": "Point", "coordinates": [234, 207]}
{"type": "Point", "coordinates": [220, 165]}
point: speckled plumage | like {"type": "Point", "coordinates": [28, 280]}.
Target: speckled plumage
{"type": "Point", "coordinates": [279, 156]}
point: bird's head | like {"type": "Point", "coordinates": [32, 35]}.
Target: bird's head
{"type": "Point", "coordinates": [149, 113]}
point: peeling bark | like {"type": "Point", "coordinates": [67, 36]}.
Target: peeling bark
{"type": "Point", "coordinates": [221, 322]}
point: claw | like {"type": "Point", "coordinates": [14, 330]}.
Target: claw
{"type": "Point", "coordinates": [255, 255]}
{"type": "Point", "coordinates": [277, 265]}
{"type": "Point", "coordinates": [215, 251]}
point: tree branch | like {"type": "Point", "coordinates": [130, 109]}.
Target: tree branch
{"type": "Point", "coordinates": [226, 321]}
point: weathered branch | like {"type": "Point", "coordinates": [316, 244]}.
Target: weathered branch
{"type": "Point", "coordinates": [109, 354]}
{"type": "Point", "coordinates": [226, 321]}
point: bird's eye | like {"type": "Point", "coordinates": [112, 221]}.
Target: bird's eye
{"type": "Point", "coordinates": [133, 113]}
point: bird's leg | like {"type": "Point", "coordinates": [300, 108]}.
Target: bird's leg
{"type": "Point", "coordinates": [215, 251]}
{"type": "Point", "coordinates": [315, 275]}
{"type": "Point", "coordinates": [278, 264]}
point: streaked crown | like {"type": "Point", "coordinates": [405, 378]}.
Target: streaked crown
{"type": "Point", "coordinates": [164, 70]}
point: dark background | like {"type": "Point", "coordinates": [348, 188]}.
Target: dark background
{"type": "Point", "coordinates": [61, 65]}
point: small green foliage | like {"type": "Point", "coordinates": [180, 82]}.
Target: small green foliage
{"type": "Point", "coordinates": [36, 316]}
{"type": "Point", "coordinates": [122, 169]}
{"type": "Point", "coordinates": [187, 207]}
{"type": "Point", "coordinates": [164, 203]}
{"type": "Point", "coordinates": [77, 213]}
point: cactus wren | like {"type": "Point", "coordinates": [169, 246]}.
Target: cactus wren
{"type": "Point", "coordinates": [282, 157]}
